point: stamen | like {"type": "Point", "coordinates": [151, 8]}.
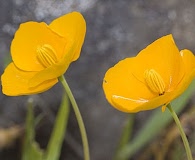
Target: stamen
{"type": "Point", "coordinates": [154, 81]}
{"type": "Point", "coordinates": [46, 55]}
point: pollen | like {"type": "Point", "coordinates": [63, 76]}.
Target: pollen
{"type": "Point", "coordinates": [154, 81]}
{"type": "Point", "coordinates": [46, 55]}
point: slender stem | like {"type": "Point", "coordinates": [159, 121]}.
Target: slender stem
{"type": "Point", "coordinates": [78, 116]}
{"type": "Point", "coordinates": [182, 133]}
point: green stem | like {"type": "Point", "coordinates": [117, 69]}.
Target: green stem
{"type": "Point", "coordinates": [183, 135]}
{"type": "Point", "coordinates": [78, 116]}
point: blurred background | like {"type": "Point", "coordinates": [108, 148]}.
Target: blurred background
{"type": "Point", "coordinates": [115, 30]}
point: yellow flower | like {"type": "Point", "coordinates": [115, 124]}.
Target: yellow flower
{"type": "Point", "coordinates": [41, 53]}
{"type": "Point", "coordinates": [156, 76]}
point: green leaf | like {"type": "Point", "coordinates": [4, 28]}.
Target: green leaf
{"type": "Point", "coordinates": [54, 146]}
{"type": "Point", "coordinates": [7, 60]}
{"type": "Point", "coordinates": [126, 135]}
{"type": "Point", "coordinates": [155, 125]}
{"type": "Point", "coordinates": [31, 149]}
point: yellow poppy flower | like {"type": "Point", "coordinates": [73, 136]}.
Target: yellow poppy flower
{"type": "Point", "coordinates": [41, 53]}
{"type": "Point", "coordinates": [156, 76]}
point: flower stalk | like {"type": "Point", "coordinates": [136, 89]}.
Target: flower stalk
{"type": "Point", "coordinates": [78, 116]}
{"type": "Point", "coordinates": [182, 133]}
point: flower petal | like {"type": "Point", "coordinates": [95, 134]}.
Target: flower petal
{"type": "Point", "coordinates": [72, 26]}
{"type": "Point", "coordinates": [28, 38]}
{"type": "Point", "coordinates": [125, 84]}
{"type": "Point", "coordinates": [15, 82]}
{"type": "Point", "coordinates": [163, 56]}
{"type": "Point", "coordinates": [127, 105]}
{"type": "Point", "coordinates": [188, 59]}
{"type": "Point", "coordinates": [120, 84]}
{"type": "Point", "coordinates": [189, 66]}
{"type": "Point", "coordinates": [51, 72]}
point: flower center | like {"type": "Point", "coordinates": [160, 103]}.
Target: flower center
{"type": "Point", "coordinates": [154, 81]}
{"type": "Point", "coordinates": [46, 55]}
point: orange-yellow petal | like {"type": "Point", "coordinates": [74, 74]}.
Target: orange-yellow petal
{"type": "Point", "coordinates": [126, 105]}
{"type": "Point", "coordinates": [121, 84]}
{"type": "Point", "coordinates": [28, 39]}
{"type": "Point", "coordinates": [188, 60]}
{"type": "Point", "coordinates": [125, 85]}
{"type": "Point", "coordinates": [189, 75]}
{"type": "Point", "coordinates": [15, 82]}
{"type": "Point", "coordinates": [189, 66]}
{"type": "Point", "coordinates": [51, 72]}
{"type": "Point", "coordinates": [164, 57]}
{"type": "Point", "coordinates": [72, 26]}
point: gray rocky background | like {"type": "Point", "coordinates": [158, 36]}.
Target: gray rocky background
{"type": "Point", "coordinates": [115, 30]}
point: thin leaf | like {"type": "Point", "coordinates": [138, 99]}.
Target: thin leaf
{"type": "Point", "coordinates": [31, 149]}
{"type": "Point", "coordinates": [59, 130]}
{"type": "Point", "coordinates": [155, 125]}
{"type": "Point", "coordinates": [126, 135]}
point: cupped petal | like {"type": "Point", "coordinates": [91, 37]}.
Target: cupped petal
{"type": "Point", "coordinates": [72, 26]}
{"type": "Point", "coordinates": [188, 60]}
{"type": "Point", "coordinates": [121, 84]}
{"type": "Point", "coordinates": [28, 38]}
{"type": "Point", "coordinates": [163, 56]}
{"type": "Point", "coordinates": [15, 82]}
{"type": "Point", "coordinates": [189, 66]}
{"type": "Point", "coordinates": [51, 72]}
{"type": "Point", "coordinates": [127, 105]}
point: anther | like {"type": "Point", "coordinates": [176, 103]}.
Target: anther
{"type": "Point", "coordinates": [46, 55]}
{"type": "Point", "coordinates": [154, 81]}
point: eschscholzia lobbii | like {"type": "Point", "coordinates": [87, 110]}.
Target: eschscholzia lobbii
{"type": "Point", "coordinates": [41, 53]}
{"type": "Point", "coordinates": [156, 76]}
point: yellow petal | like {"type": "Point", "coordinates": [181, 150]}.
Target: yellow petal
{"type": "Point", "coordinates": [51, 72]}
{"type": "Point", "coordinates": [120, 85]}
{"type": "Point", "coordinates": [76, 37]}
{"type": "Point", "coordinates": [169, 70]}
{"type": "Point", "coordinates": [188, 60]}
{"type": "Point", "coordinates": [15, 82]}
{"type": "Point", "coordinates": [163, 56]}
{"type": "Point", "coordinates": [127, 105]}
{"type": "Point", "coordinates": [28, 38]}
{"type": "Point", "coordinates": [189, 66]}
{"type": "Point", "coordinates": [72, 26]}
{"type": "Point", "coordinates": [164, 107]}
